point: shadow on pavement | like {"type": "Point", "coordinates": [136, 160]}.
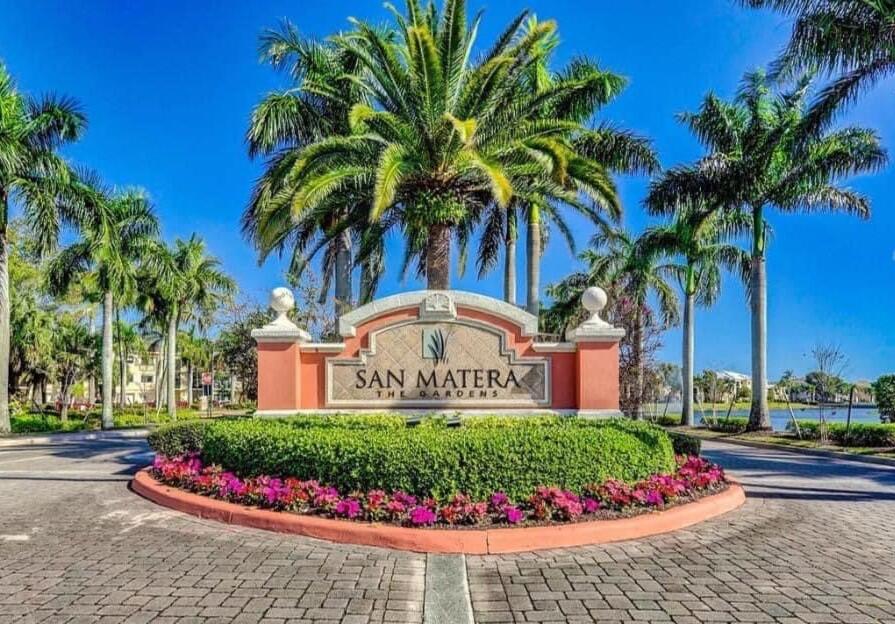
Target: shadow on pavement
{"type": "Point", "coordinates": [789, 475]}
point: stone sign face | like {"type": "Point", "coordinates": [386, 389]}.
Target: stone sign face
{"type": "Point", "coordinates": [439, 364]}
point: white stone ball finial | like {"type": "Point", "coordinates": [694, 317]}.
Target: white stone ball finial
{"type": "Point", "coordinates": [281, 301]}
{"type": "Point", "coordinates": [594, 299]}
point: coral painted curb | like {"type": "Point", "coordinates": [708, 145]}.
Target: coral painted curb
{"type": "Point", "coordinates": [460, 541]}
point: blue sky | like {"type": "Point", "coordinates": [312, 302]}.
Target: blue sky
{"type": "Point", "coordinates": [168, 87]}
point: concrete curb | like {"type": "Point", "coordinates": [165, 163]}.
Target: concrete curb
{"type": "Point", "coordinates": [78, 436]}
{"type": "Point", "coordinates": [447, 599]}
{"type": "Point", "coordinates": [447, 541]}
{"type": "Point", "coordinates": [862, 459]}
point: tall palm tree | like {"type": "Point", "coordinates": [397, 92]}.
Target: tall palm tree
{"type": "Point", "coordinates": [769, 150]}
{"type": "Point", "coordinates": [628, 267]}
{"type": "Point", "coordinates": [443, 138]}
{"type": "Point", "coordinates": [36, 178]}
{"type": "Point", "coordinates": [853, 40]}
{"type": "Point", "coordinates": [699, 237]}
{"type": "Point", "coordinates": [315, 106]}
{"type": "Point", "coordinates": [618, 151]}
{"type": "Point", "coordinates": [188, 285]}
{"type": "Point", "coordinates": [115, 234]}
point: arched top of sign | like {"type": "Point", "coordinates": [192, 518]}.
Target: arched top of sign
{"type": "Point", "coordinates": [437, 304]}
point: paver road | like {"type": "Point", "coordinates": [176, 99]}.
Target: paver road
{"type": "Point", "coordinates": [814, 543]}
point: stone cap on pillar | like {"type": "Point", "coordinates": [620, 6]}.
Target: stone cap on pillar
{"type": "Point", "coordinates": [281, 329]}
{"type": "Point", "coordinates": [595, 329]}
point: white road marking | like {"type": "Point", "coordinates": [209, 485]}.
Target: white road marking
{"type": "Point", "coordinates": [20, 537]}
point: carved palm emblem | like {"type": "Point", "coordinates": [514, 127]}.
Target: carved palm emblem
{"type": "Point", "coordinates": [435, 345]}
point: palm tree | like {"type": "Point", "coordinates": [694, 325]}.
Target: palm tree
{"type": "Point", "coordinates": [75, 351]}
{"type": "Point", "coordinates": [699, 237]}
{"type": "Point", "coordinates": [853, 40]}
{"type": "Point", "coordinates": [195, 350]}
{"type": "Point", "coordinates": [769, 150]}
{"type": "Point", "coordinates": [130, 342]}
{"type": "Point", "coordinates": [631, 269]}
{"type": "Point", "coordinates": [188, 285]}
{"type": "Point", "coordinates": [314, 107]}
{"type": "Point", "coordinates": [114, 235]}
{"type": "Point", "coordinates": [442, 138]}
{"type": "Point", "coordinates": [616, 150]}
{"type": "Point", "coordinates": [35, 177]}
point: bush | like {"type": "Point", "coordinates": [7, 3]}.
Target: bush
{"type": "Point", "coordinates": [684, 444]}
{"type": "Point", "coordinates": [44, 423]}
{"type": "Point", "coordinates": [668, 420]}
{"type": "Point", "coordinates": [733, 424]}
{"type": "Point", "coordinates": [181, 438]}
{"type": "Point", "coordinates": [346, 421]}
{"type": "Point", "coordinates": [860, 434]}
{"type": "Point", "coordinates": [477, 459]}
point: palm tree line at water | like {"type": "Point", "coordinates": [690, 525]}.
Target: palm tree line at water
{"type": "Point", "coordinates": [418, 129]}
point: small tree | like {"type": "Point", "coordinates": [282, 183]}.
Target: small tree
{"type": "Point", "coordinates": [831, 363]}
{"type": "Point", "coordinates": [884, 391]}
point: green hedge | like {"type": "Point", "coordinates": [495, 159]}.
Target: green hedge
{"type": "Point", "coordinates": [477, 458]}
{"type": "Point", "coordinates": [684, 444]}
{"type": "Point", "coordinates": [860, 434]}
{"type": "Point", "coordinates": [733, 424]}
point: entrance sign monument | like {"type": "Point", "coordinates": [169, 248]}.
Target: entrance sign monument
{"type": "Point", "coordinates": [438, 350]}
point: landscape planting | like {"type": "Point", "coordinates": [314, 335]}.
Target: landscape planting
{"type": "Point", "coordinates": [431, 459]}
{"type": "Point", "coordinates": [483, 471]}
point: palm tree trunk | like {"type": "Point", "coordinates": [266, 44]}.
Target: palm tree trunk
{"type": "Point", "coordinates": [438, 257]}
{"type": "Point", "coordinates": [107, 356]}
{"type": "Point", "coordinates": [65, 398]}
{"type": "Point", "coordinates": [91, 381]}
{"type": "Point", "coordinates": [343, 273]}
{"type": "Point", "coordinates": [122, 364]}
{"type": "Point", "coordinates": [687, 360]}
{"type": "Point", "coordinates": [509, 267]}
{"type": "Point", "coordinates": [172, 363]}
{"type": "Point", "coordinates": [157, 362]}
{"type": "Point", "coordinates": [637, 357]}
{"type": "Point", "coordinates": [5, 425]}
{"type": "Point", "coordinates": [533, 301]}
{"type": "Point", "coordinates": [366, 284]}
{"type": "Point", "coordinates": [759, 418]}
{"type": "Point", "coordinates": [189, 384]}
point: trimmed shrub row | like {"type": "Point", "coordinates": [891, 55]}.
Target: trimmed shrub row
{"type": "Point", "coordinates": [481, 457]}
{"type": "Point", "coordinates": [860, 434]}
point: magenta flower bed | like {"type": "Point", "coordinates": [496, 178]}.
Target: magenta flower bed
{"type": "Point", "coordinates": [693, 478]}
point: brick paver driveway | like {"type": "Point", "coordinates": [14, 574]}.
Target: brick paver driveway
{"type": "Point", "coordinates": [814, 543]}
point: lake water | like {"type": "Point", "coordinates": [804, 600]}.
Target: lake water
{"type": "Point", "coordinates": [779, 417]}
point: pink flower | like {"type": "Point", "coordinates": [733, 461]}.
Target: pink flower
{"type": "Point", "coordinates": [513, 515]}
{"type": "Point", "coordinates": [420, 516]}
{"type": "Point", "coordinates": [591, 505]}
{"type": "Point", "coordinates": [348, 508]}
{"type": "Point", "coordinates": [499, 500]}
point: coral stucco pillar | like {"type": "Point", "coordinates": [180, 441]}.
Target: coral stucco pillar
{"type": "Point", "coordinates": [596, 359]}
{"type": "Point", "coordinates": [279, 363]}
